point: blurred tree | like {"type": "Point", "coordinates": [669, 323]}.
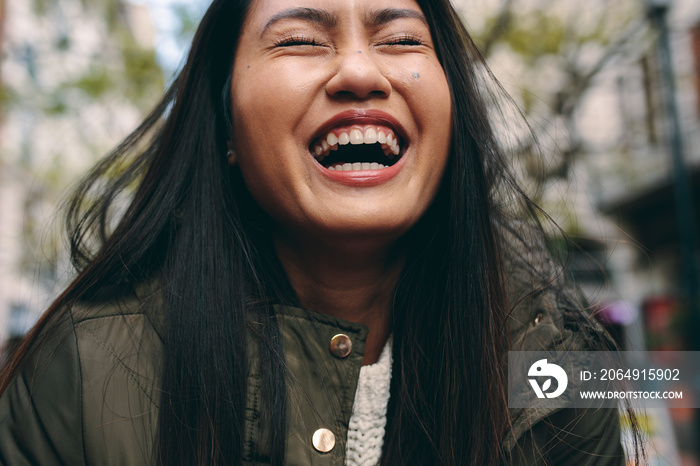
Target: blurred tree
{"type": "Point", "coordinates": [129, 70]}
{"type": "Point", "coordinates": [554, 51]}
{"type": "Point", "coordinates": [77, 76]}
{"type": "Point", "coordinates": [3, 97]}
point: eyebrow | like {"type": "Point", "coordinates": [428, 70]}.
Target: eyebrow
{"type": "Point", "coordinates": [313, 15]}
{"type": "Point", "coordinates": [326, 19]}
{"type": "Point", "coordinates": [377, 18]}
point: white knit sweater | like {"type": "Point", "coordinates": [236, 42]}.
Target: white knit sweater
{"type": "Point", "coordinates": [368, 420]}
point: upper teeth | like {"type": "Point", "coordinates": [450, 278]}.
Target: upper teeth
{"type": "Point", "coordinates": [358, 135]}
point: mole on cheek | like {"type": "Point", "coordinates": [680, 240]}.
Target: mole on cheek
{"type": "Point", "coordinates": [416, 75]}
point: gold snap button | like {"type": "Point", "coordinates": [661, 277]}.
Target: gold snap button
{"type": "Point", "coordinates": [341, 345]}
{"type": "Point", "coordinates": [323, 440]}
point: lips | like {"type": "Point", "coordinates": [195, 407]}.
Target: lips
{"type": "Point", "coordinates": [359, 140]}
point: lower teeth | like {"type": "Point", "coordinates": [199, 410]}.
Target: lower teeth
{"type": "Point", "coordinates": [356, 166]}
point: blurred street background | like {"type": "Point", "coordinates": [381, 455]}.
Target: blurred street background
{"type": "Point", "coordinates": [611, 89]}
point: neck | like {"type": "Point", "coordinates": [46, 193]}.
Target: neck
{"type": "Point", "coordinates": [351, 283]}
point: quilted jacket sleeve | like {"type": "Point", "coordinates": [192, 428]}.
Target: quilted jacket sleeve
{"type": "Point", "coordinates": [40, 412]}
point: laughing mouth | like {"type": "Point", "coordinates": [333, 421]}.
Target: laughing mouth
{"type": "Point", "coordinates": [357, 147]}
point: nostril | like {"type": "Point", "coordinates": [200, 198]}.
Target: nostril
{"type": "Point", "coordinates": [358, 75]}
{"type": "Point", "coordinates": [356, 95]}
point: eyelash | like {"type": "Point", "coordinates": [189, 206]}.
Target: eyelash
{"type": "Point", "coordinates": [405, 40]}
{"type": "Point", "coordinates": [306, 40]}
{"type": "Point", "coordinates": [296, 40]}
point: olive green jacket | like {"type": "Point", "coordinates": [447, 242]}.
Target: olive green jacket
{"type": "Point", "coordinates": [90, 394]}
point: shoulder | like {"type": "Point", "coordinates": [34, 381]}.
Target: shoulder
{"type": "Point", "coordinates": [142, 304]}
{"type": "Point", "coordinates": [548, 313]}
{"type": "Point", "coordinates": [120, 339]}
{"type": "Point", "coordinates": [40, 419]}
{"type": "Point", "coordinates": [87, 392]}
{"type": "Point", "coordinates": [120, 348]}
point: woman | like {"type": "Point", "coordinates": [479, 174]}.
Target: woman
{"type": "Point", "coordinates": [319, 190]}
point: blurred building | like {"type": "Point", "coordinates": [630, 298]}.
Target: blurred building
{"type": "Point", "coordinates": [624, 186]}
{"type": "Point", "coordinates": [75, 78]}
{"type": "Point", "coordinates": [588, 78]}
{"type": "Point", "coordinates": [628, 258]}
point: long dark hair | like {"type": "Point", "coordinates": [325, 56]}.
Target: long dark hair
{"type": "Point", "coordinates": [190, 225]}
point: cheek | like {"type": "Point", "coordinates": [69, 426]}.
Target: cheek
{"type": "Point", "coordinates": [436, 94]}
{"type": "Point", "coordinates": [431, 104]}
{"type": "Point", "coordinates": [424, 86]}
{"type": "Point", "coordinates": [270, 101]}
{"type": "Point", "coordinates": [265, 109]}
{"type": "Point", "coordinates": [263, 104]}
{"type": "Point", "coordinates": [282, 88]}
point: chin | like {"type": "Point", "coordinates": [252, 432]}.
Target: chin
{"type": "Point", "coordinates": [377, 228]}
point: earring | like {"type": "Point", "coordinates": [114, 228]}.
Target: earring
{"type": "Point", "coordinates": [231, 156]}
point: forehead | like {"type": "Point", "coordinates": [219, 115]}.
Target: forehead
{"type": "Point", "coordinates": [263, 11]}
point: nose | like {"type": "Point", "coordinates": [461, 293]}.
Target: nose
{"type": "Point", "coordinates": [358, 76]}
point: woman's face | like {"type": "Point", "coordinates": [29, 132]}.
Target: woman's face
{"type": "Point", "coordinates": [341, 115]}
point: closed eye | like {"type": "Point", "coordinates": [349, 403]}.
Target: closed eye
{"type": "Point", "coordinates": [291, 41]}
{"type": "Point", "coordinates": [404, 40]}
